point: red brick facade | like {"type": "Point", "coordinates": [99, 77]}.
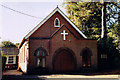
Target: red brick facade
{"type": "Point", "coordinates": [60, 55]}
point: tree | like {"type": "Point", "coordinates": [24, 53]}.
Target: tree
{"type": "Point", "coordinates": [113, 56]}
{"type": "Point", "coordinates": [104, 28]}
{"type": "Point", "coordinates": [7, 44]}
{"type": "Point", "coordinates": [4, 58]}
{"type": "Point", "coordinates": [114, 27]}
{"type": "Point", "coordinates": [109, 16]}
{"type": "Point", "coordinates": [87, 17]}
{"type": "Point", "coordinates": [114, 32]}
{"type": "Point", "coordinates": [17, 44]}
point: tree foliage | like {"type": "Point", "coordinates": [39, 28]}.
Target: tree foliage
{"type": "Point", "coordinates": [114, 32]}
{"type": "Point", "coordinates": [112, 13]}
{"type": "Point", "coordinates": [7, 44]}
{"type": "Point", "coordinates": [86, 16]}
{"type": "Point", "coordinates": [108, 47]}
{"type": "Point", "coordinates": [4, 58]}
{"type": "Point", "coordinates": [17, 44]}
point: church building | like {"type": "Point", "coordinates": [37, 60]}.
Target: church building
{"type": "Point", "coordinates": [57, 45]}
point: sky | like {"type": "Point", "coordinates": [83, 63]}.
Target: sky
{"type": "Point", "coordinates": [14, 25]}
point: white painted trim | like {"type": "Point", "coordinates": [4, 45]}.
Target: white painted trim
{"type": "Point", "coordinates": [58, 21]}
{"type": "Point", "coordinates": [14, 59]}
{"type": "Point", "coordinates": [57, 9]}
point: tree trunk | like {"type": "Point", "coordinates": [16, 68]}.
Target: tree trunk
{"type": "Point", "coordinates": [119, 17]}
{"type": "Point", "coordinates": [104, 27]}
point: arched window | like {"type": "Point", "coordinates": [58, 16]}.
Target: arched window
{"type": "Point", "coordinates": [56, 22]}
{"type": "Point", "coordinates": [40, 57]}
{"type": "Point", "coordinates": [86, 57]}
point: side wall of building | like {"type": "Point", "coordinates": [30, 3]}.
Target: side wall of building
{"type": "Point", "coordinates": [23, 57]}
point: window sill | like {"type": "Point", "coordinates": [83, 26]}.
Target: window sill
{"type": "Point", "coordinates": [57, 26]}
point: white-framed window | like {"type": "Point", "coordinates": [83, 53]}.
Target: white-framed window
{"type": "Point", "coordinates": [56, 22]}
{"type": "Point", "coordinates": [11, 60]}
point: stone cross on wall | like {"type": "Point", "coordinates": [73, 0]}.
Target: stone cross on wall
{"type": "Point", "coordinates": [64, 34]}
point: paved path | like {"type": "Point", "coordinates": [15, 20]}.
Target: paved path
{"type": "Point", "coordinates": [81, 76]}
{"type": "Point", "coordinates": [16, 75]}
{"type": "Point", "coordinates": [12, 72]}
{"type": "Point", "coordinates": [60, 77]}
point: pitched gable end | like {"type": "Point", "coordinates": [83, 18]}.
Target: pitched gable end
{"type": "Point", "coordinates": [52, 13]}
{"type": "Point", "coordinates": [66, 28]}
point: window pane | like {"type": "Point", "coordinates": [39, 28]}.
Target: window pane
{"type": "Point", "coordinates": [38, 53]}
{"type": "Point", "coordinates": [43, 62]}
{"type": "Point", "coordinates": [104, 56]}
{"type": "Point", "coordinates": [56, 22]}
{"type": "Point", "coordinates": [10, 59]}
{"type": "Point", "coordinates": [43, 53]}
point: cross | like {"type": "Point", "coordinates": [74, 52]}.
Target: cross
{"type": "Point", "coordinates": [64, 34]}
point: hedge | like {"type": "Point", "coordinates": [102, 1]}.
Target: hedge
{"type": "Point", "coordinates": [3, 62]}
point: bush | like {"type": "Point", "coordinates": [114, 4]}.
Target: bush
{"type": "Point", "coordinates": [3, 62]}
{"type": "Point", "coordinates": [107, 46]}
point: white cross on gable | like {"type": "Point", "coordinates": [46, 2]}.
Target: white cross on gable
{"type": "Point", "coordinates": [64, 34]}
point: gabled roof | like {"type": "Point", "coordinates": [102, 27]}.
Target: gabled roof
{"type": "Point", "coordinates": [52, 13]}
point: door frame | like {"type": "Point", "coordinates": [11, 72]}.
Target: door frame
{"type": "Point", "coordinates": [57, 52]}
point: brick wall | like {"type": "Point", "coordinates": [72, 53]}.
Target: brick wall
{"type": "Point", "coordinates": [74, 41]}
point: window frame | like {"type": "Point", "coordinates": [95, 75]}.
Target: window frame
{"type": "Point", "coordinates": [13, 60]}
{"type": "Point", "coordinates": [40, 54]}
{"type": "Point", "coordinates": [58, 22]}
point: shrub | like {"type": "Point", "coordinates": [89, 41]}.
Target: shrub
{"type": "Point", "coordinates": [3, 62]}
{"type": "Point", "coordinates": [107, 46]}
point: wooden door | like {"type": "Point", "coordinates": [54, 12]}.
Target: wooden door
{"type": "Point", "coordinates": [64, 62]}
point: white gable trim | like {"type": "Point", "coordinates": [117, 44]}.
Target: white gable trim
{"type": "Point", "coordinates": [57, 9]}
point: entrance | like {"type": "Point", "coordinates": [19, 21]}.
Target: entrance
{"type": "Point", "coordinates": [64, 61]}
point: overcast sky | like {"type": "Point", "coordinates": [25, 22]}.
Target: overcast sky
{"type": "Point", "coordinates": [14, 25]}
